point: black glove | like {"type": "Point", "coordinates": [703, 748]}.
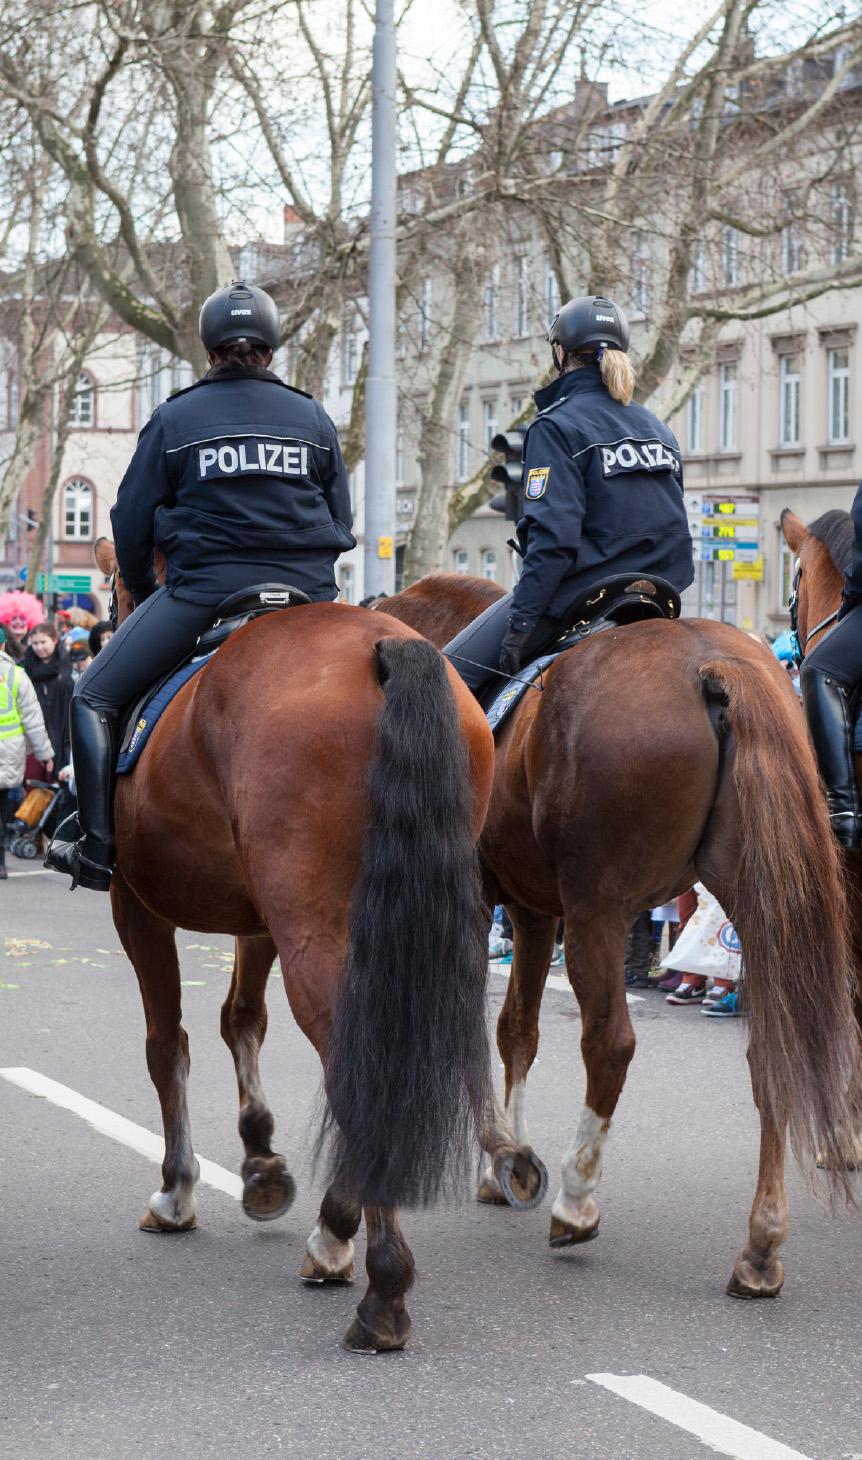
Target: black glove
{"type": "Point", "coordinates": [849, 601]}
{"type": "Point", "coordinates": [511, 650]}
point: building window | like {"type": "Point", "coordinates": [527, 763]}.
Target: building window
{"type": "Point", "coordinates": [461, 560]}
{"type": "Point", "coordinates": [82, 408]}
{"type": "Point", "coordinates": [78, 510]}
{"type": "Point", "coordinates": [349, 351]}
{"type": "Point", "coordinates": [730, 256]}
{"type": "Point", "coordinates": [839, 395]}
{"type": "Point", "coordinates": [842, 223]}
{"type": "Point", "coordinates": [697, 272]}
{"type": "Point", "coordinates": [489, 420]}
{"type": "Point", "coordinates": [516, 405]}
{"type": "Point", "coordinates": [694, 420]}
{"type": "Point", "coordinates": [491, 288]}
{"type": "Point", "coordinates": [552, 292]}
{"type": "Point", "coordinates": [463, 442]}
{"type": "Point", "coordinates": [399, 452]}
{"type": "Point", "coordinates": [640, 275]}
{"type": "Point", "coordinates": [520, 322]}
{"type": "Point", "coordinates": [489, 564]}
{"type": "Point", "coordinates": [727, 384]}
{"type": "Point", "coordinates": [789, 400]}
{"type": "Point", "coordinates": [346, 590]}
{"type": "Point", "coordinates": [791, 236]}
{"type": "Point", "coordinates": [423, 316]}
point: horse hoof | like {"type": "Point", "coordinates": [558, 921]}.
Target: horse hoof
{"type": "Point", "coordinates": [523, 1179]}
{"type": "Point", "coordinates": [490, 1192]}
{"type": "Point", "coordinates": [750, 1280]}
{"type": "Point", "coordinates": [563, 1234]}
{"type": "Point", "coordinates": [151, 1223]}
{"type": "Point", "coordinates": [268, 1194]}
{"type": "Point", "coordinates": [311, 1272]}
{"type": "Point", "coordinates": [359, 1339]}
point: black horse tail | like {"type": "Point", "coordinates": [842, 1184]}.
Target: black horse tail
{"type": "Point", "coordinates": [789, 909]}
{"type": "Point", "coordinates": [407, 1077]}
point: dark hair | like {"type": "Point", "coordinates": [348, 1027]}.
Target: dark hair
{"type": "Point", "coordinates": [45, 628]}
{"type": "Point", "coordinates": [96, 632]}
{"type": "Point", "coordinates": [238, 355]}
{"type": "Point", "coordinates": [10, 644]}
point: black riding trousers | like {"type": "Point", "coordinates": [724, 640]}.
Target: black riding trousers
{"type": "Point", "coordinates": [152, 640]}
{"type": "Point", "coordinates": [839, 653]}
{"type": "Point", "coordinates": [475, 652]}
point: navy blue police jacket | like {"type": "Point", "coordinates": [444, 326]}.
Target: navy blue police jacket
{"type": "Point", "coordinates": [602, 494]}
{"type": "Point", "coordinates": [852, 595]}
{"type": "Point", "coordinates": [238, 480]}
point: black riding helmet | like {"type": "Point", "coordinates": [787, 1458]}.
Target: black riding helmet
{"type": "Point", "coordinates": [590, 323]}
{"type": "Point", "coordinates": [239, 312]}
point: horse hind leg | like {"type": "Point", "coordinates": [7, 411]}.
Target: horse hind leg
{"type": "Point", "coordinates": [269, 1188]}
{"type": "Point", "coordinates": [382, 1321]}
{"type": "Point", "coordinates": [329, 1250]}
{"type": "Point", "coordinates": [594, 960]}
{"type": "Point", "coordinates": [150, 945]}
{"type": "Point", "coordinates": [515, 1176]}
{"type": "Point", "coordinates": [758, 1271]}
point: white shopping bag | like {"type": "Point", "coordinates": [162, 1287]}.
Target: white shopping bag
{"type": "Point", "coordinates": [708, 943]}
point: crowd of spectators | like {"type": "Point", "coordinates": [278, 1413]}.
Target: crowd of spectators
{"type": "Point", "coordinates": [41, 656]}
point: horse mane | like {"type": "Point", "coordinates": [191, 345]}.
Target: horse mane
{"type": "Point", "coordinates": [835, 530]}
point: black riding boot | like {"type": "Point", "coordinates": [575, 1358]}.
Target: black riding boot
{"type": "Point", "coordinates": [83, 845]}
{"type": "Point", "coordinates": [828, 714]}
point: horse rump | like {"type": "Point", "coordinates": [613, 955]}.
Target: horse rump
{"type": "Point", "coordinates": [407, 1076]}
{"type": "Point", "coordinates": [788, 905]}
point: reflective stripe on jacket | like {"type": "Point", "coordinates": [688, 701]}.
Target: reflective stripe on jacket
{"type": "Point", "coordinates": [10, 720]}
{"type": "Point", "coordinates": [22, 724]}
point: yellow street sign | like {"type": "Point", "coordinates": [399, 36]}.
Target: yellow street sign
{"type": "Point", "coordinates": [749, 570]}
{"type": "Point", "coordinates": [384, 547]}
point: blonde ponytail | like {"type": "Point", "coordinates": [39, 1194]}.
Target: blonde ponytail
{"type": "Point", "coordinates": [618, 375]}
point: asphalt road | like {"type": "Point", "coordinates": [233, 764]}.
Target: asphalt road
{"type": "Point", "coordinates": [120, 1344]}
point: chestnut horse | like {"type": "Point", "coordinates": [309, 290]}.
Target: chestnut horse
{"type": "Point", "coordinates": [317, 790]}
{"type": "Point", "coordinates": [822, 553]}
{"type": "Point", "coordinates": [653, 756]}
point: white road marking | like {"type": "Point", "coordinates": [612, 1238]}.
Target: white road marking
{"type": "Point", "coordinates": [116, 1126]}
{"type": "Point", "coordinates": [555, 981]}
{"type": "Point", "coordinates": [36, 872]}
{"type": "Point", "coordinates": [714, 1429]}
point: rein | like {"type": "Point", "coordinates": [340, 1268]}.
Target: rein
{"type": "Point", "coordinates": [794, 616]}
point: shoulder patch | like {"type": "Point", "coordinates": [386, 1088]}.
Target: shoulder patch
{"type": "Point", "coordinates": [537, 480]}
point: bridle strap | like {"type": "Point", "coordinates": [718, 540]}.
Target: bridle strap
{"type": "Point", "coordinates": [822, 624]}
{"type": "Point", "coordinates": [794, 615]}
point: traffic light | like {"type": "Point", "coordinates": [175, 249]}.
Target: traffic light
{"type": "Point", "coordinates": [510, 473]}
{"type": "Point", "coordinates": [32, 519]}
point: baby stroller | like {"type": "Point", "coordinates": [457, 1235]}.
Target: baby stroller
{"type": "Point", "coordinates": [34, 816]}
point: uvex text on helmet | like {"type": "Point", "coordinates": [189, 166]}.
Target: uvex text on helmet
{"type": "Point", "coordinates": [590, 323]}
{"type": "Point", "coordinates": [239, 312]}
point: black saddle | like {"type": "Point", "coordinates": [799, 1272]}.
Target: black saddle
{"type": "Point", "coordinates": [623, 598]}
{"type": "Point", "coordinates": [242, 607]}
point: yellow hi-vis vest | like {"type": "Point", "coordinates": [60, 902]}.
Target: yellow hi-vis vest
{"type": "Point", "coordinates": [10, 720]}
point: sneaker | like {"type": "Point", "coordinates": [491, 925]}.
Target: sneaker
{"type": "Point", "coordinates": [507, 957]}
{"type": "Point", "coordinates": [725, 1008]}
{"type": "Point", "coordinates": [687, 993]}
{"type": "Point", "coordinates": [497, 947]}
{"type": "Point", "coordinates": [638, 981]}
{"type": "Point", "coordinates": [558, 957]}
{"type": "Point", "coordinates": [669, 983]}
{"type": "Point", "coordinates": [715, 994]}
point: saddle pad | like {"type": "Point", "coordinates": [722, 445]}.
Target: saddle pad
{"type": "Point", "coordinates": [857, 736]}
{"type": "Point", "coordinates": [149, 710]}
{"type": "Point", "coordinates": [502, 706]}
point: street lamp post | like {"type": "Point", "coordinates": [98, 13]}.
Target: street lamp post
{"type": "Point", "coordinates": [380, 396]}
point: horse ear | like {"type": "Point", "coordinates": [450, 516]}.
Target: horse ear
{"type": "Point", "coordinates": [795, 531]}
{"type": "Point", "coordinates": [106, 558]}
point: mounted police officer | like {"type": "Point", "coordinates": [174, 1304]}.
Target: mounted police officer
{"type": "Point", "coordinates": [602, 494]}
{"type": "Point", "coordinates": [238, 480]}
{"type": "Point", "coordinates": [830, 673]}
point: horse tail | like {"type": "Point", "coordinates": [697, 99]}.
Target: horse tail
{"type": "Point", "coordinates": [789, 909]}
{"type": "Point", "coordinates": [408, 1076]}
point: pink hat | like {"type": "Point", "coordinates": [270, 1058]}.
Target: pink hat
{"type": "Point", "coordinates": [15, 604]}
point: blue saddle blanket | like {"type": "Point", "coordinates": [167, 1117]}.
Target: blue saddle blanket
{"type": "Point", "coordinates": [857, 736]}
{"type": "Point", "coordinates": [503, 703]}
{"type": "Point", "coordinates": [149, 710]}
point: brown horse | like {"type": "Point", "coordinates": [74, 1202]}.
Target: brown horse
{"type": "Point", "coordinates": [317, 791]}
{"type": "Point", "coordinates": [653, 756]}
{"type": "Point", "coordinates": [823, 551]}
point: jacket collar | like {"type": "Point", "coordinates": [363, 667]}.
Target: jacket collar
{"type": "Point", "coordinates": [574, 382]}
